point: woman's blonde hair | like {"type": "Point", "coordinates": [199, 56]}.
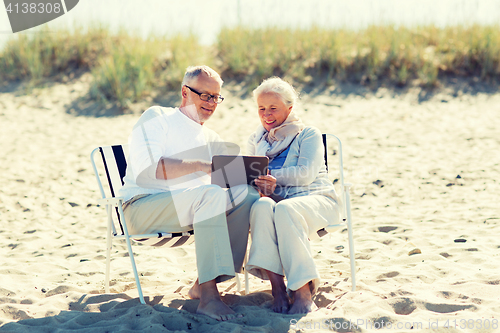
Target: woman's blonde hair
{"type": "Point", "coordinates": [278, 86]}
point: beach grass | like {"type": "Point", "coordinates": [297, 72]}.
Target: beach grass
{"type": "Point", "coordinates": [134, 68]}
{"type": "Point", "coordinates": [376, 55]}
{"type": "Point", "coordinates": [126, 68]}
{"type": "Point", "coordinates": [50, 53]}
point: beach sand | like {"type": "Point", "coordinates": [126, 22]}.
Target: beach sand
{"type": "Point", "coordinates": [425, 174]}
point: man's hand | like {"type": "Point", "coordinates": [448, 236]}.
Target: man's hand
{"type": "Point", "coordinates": [266, 184]}
{"type": "Point", "coordinates": [169, 168]}
{"type": "Point", "coordinates": [205, 167]}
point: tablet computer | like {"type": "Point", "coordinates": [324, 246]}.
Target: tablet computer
{"type": "Point", "coordinates": [232, 170]}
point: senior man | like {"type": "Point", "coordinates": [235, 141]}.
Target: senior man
{"type": "Point", "coordinates": [167, 187]}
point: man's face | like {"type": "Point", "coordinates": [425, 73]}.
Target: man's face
{"type": "Point", "coordinates": [198, 110]}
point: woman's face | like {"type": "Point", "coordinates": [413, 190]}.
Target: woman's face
{"type": "Point", "coordinates": [272, 110]}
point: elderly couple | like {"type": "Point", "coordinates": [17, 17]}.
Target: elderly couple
{"type": "Point", "coordinates": [167, 188]}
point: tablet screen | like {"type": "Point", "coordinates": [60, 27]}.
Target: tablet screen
{"type": "Point", "coordinates": [232, 170]}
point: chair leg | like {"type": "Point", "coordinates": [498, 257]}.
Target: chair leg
{"type": "Point", "coordinates": [247, 282]}
{"type": "Point", "coordinates": [108, 251]}
{"type": "Point", "coordinates": [238, 283]}
{"type": "Point", "coordinates": [131, 255]}
{"type": "Point", "coordinates": [351, 241]}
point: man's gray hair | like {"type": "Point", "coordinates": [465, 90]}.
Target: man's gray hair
{"type": "Point", "coordinates": [278, 86]}
{"type": "Point", "coordinates": [192, 73]}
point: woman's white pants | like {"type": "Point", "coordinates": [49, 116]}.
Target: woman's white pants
{"type": "Point", "coordinates": [281, 233]}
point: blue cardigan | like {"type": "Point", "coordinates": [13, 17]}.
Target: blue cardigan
{"type": "Point", "coordinates": [304, 171]}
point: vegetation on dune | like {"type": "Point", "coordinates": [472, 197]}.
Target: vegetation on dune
{"type": "Point", "coordinates": [126, 68]}
{"type": "Point", "coordinates": [134, 67]}
{"type": "Point", "coordinates": [48, 53]}
{"type": "Point", "coordinates": [379, 54]}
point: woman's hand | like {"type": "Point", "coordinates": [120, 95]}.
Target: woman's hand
{"type": "Point", "coordinates": [266, 184]}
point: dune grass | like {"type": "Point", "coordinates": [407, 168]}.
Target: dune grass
{"type": "Point", "coordinates": [48, 53]}
{"type": "Point", "coordinates": [135, 68]}
{"type": "Point", "coordinates": [379, 54]}
{"type": "Point", "coordinates": [126, 68]}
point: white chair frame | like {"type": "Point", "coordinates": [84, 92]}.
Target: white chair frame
{"type": "Point", "coordinates": [345, 212]}
{"type": "Point", "coordinates": [112, 201]}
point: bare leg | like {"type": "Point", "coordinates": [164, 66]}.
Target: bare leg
{"type": "Point", "coordinates": [281, 301]}
{"type": "Point", "coordinates": [302, 300]}
{"type": "Point", "coordinates": [194, 292]}
{"type": "Point", "coordinates": [211, 304]}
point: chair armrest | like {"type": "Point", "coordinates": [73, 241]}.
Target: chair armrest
{"type": "Point", "coordinates": [335, 227]}
{"type": "Point", "coordinates": [115, 201]}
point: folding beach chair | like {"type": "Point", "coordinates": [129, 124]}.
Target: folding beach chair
{"type": "Point", "coordinates": [345, 211]}
{"type": "Point", "coordinates": [114, 164]}
{"type": "Point", "coordinates": [345, 205]}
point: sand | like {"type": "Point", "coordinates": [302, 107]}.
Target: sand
{"type": "Point", "coordinates": [425, 171]}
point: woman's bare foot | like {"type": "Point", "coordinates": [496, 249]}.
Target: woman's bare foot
{"type": "Point", "coordinates": [211, 304]}
{"type": "Point", "coordinates": [281, 302]}
{"type": "Point", "coordinates": [302, 301]}
{"type": "Point", "coordinates": [194, 292]}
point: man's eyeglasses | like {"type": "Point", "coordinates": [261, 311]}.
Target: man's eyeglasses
{"type": "Point", "coordinates": [207, 97]}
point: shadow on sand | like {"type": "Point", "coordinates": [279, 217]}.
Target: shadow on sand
{"type": "Point", "coordinates": [120, 312]}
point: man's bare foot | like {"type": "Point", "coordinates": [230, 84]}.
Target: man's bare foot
{"type": "Point", "coordinates": [194, 292]}
{"type": "Point", "coordinates": [281, 302]}
{"type": "Point", "coordinates": [211, 304]}
{"type": "Point", "coordinates": [302, 301]}
{"type": "Point", "coordinates": [216, 309]}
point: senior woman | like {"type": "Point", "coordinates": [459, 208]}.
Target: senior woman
{"type": "Point", "coordinates": [297, 199]}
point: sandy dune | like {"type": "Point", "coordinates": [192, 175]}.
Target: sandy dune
{"type": "Point", "coordinates": [425, 173]}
